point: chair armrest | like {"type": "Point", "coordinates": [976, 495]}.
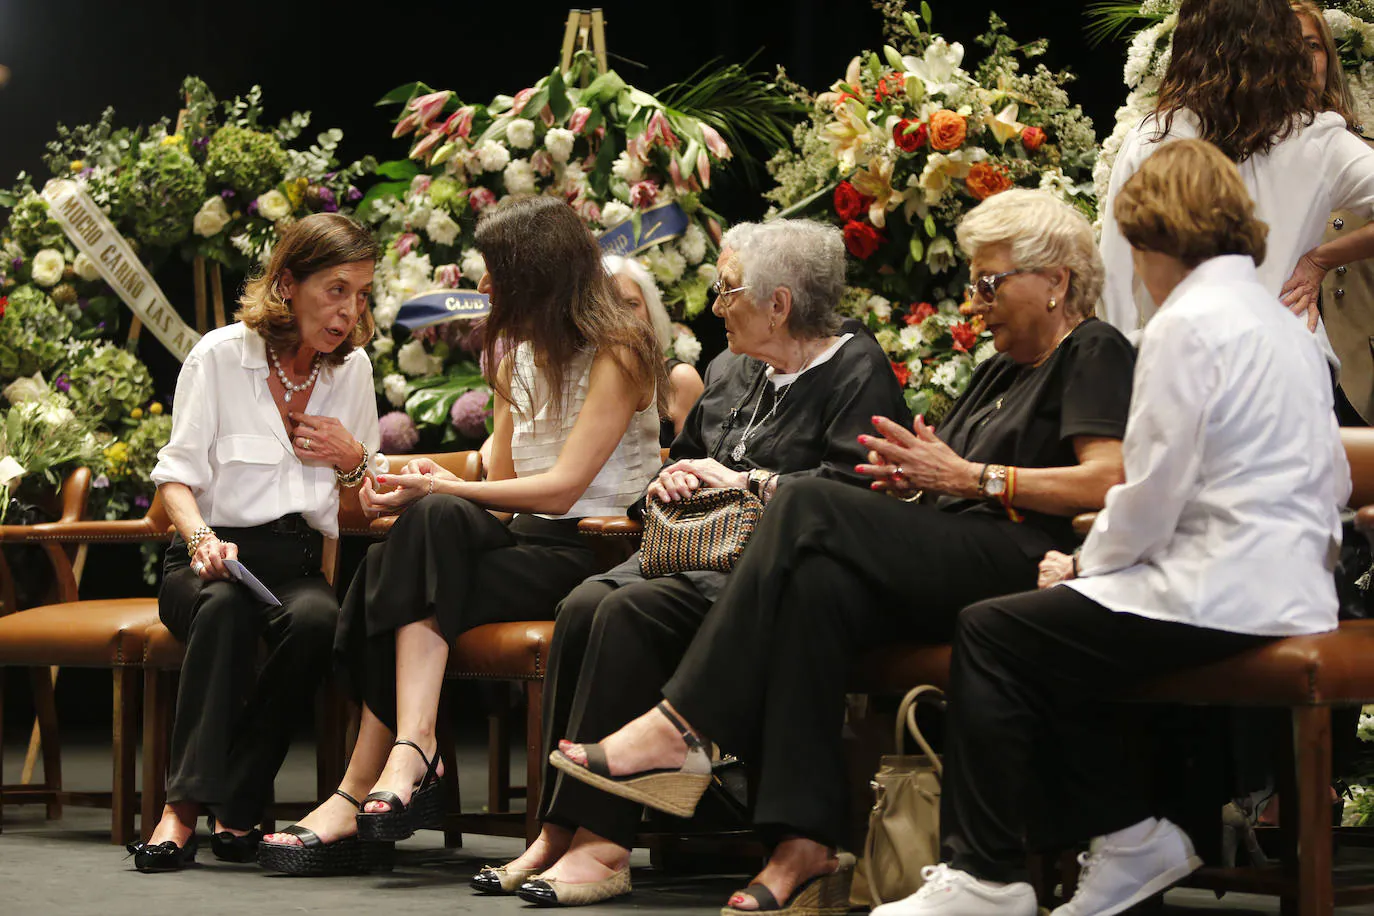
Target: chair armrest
{"type": "Point", "coordinates": [381, 527]}
{"type": "Point", "coordinates": [65, 532]}
{"type": "Point", "coordinates": [1083, 523]}
{"type": "Point", "coordinates": [610, 526]}
{"type": "Point", "coordinates": [1364, 520]}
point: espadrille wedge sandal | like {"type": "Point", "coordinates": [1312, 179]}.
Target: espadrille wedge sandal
{"type": "Point", "coordinates": [672, 791]}
{"type": "Point", "coordinates": [315, 858]}
{"type": "Point", "coordinates": [821, 895]}
{"type": "Point", "coordinates": [425, 809]}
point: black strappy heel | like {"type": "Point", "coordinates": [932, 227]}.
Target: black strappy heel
{"type": "Point", "coordinates": [425, 808]}
{"type": "Point", "coordinates": [315, 858]}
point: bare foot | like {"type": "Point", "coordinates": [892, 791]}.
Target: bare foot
{"type": "Point", "coordinates": [588, 860]}
{"type": "Point", "coordinates": [793, 862]}
{"type": "Point", "coordinates": [553, 841]}
{"type": "Point", "coordinates": [177, 824]}
{"type": "Point", "coordinates": [647, 743]}
{"type": "Point", "coordinates": [403, 771]}
{"type": "Point", "coordinates": [334, 820]}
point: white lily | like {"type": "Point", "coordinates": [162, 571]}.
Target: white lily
{"type": "Point", "coordinates": [938, 67]}
{"type": "Point", "coordinates": [1004, 125]}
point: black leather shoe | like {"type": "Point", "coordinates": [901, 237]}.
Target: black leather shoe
{"type": "Point", "coordinates": [230, 848]}
{"type": "Point", "coordinates": [165, 856]}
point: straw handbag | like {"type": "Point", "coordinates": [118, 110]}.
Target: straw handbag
{"type": "Point", "coordinates": [904, 825]}
{"type": "Point", "coordinates": [707, 530]}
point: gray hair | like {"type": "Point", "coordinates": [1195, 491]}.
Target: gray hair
{"type": "Point", "coordinates": [1043, 232]}
{"type": "Point", "coordinates": [653, 300]}
{"type": "Point", "coordinates": [805, 257]}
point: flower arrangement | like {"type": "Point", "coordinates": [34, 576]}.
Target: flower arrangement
{"type": "Point", "coordinates": [1151, 47]}
{"type": "Point", "coordinates": [40, 438]}
{"type": "Point", "coordinates": [611, 150]}
{"type": "Point", "coordinates": [898, 150]}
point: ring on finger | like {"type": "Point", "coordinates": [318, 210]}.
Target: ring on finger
{"type": "Point", "coordinates": [898, 473]}
{"type": "Point", "coordinates": [305, 443]}
{"type": "Point", "coordinates": [197, 567]}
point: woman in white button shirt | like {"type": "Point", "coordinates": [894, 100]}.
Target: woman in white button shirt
{"type": "Point", "coordinates": [1222, 537]}
{"type": "Point", "coordinates": [272, 415]}
{"type": "Point", "coordinates": [1240, 77]}
{"type": "Point", "coordinates": [575, 434]}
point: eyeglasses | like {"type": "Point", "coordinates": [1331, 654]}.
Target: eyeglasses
{"type": "Point", "coordinates": [985, 288]}
{"type": "Point", "coordinates": [723, 293]}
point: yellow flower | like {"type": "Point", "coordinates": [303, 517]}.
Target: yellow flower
{"type": "Point", "coordinates": [136, 413]}
{"type": "Point", "coordinates": [78, 165]}
{"type": "Point", "coordinates": [117, 455]}
{"type": "Point", "coordinates": [1004, 125]}
{"type": "Point", "coordinates": [849, 133]}
{"type": "Point", "coordinates": [171, 139]}
{"type": "Point", "coordinates": [875, 181]}
{"type": "Point", "coordinates": [237, 213]}
{"type": "Point", "coordinates": [155, 409]}
{"type": "Point", "coordinates": [295, 191]}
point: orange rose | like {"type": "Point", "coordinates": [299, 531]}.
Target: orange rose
{"type": "Point", "coordinates": [985, 180]}
{"type": "Point", "coordinates": [947, 130]}
{"type": "Point", "coordinates": [1032, 138]}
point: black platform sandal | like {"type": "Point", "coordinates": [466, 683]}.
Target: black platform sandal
{"type": "Point", "coordinates": [165, 856]}
{"type": "Point", "coordinates": [425, 809]}
{"type": "Point", "coordinates": [229, 847]}
{"type": "Point", "coordinates": [317, 859]}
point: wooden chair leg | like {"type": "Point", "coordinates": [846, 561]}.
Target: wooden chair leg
{"type": "Point", "coordinates": [47, 737]}
{"type": "Point", "coordinates": [2, 746]}
{"type": "Point", "coordinates": [123, 788]}
{"type": "Point", "coordinates": [1312, 752]}
{"type": "Point", "coordinates": [330, 721]}
{"type": "Point", "coordinates": [498, 760]}
{"type": "Point", "coordinates": [534, 757]}
{"type": "Point", "coordinates": [448, 751]}
{"type": "Point", "coordinates": [157, 726]}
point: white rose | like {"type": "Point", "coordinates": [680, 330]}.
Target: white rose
{"type": "Point", "coordinates": [273, 205]}
{"type": "Point", "coordinates": [396, 388]}
{"type": "Point", "coordinates": [693, 244]}
{"type": "Point", "coordinates": [520, 133]}
{"type": "Point", "coordinates": [614, 213]}
{"type": "Point", "coordinates": [492, 156]}
{"type": "Point", "coordinates": [413, 360]}
{"type": "Point", "coordinates": [27, 388]}
{"type": "Point", "coordinates": [1340, 24]}
{"type": "Point", "coordinates": [48, 265]}
{"type": "Point", "coordinates": [212, 216]}
{"type": "Point", "coordinates": [559, 142]}
{"type": "Point", "coordinates": [473, 265]}
{"type": "Point", "coordinates": [382, 344]}
{"type": "Point", "coordinates": [666, 264]}
{"type": "Point", "coordinates": [627, 168]}
{"type": "Point", "coordinates": [85, 268]}
{"type": "Point", "coordinates": [441, 228]}
{"type": "Point", "coordinates": [687, 348]}
{"type": "Point", "coordinates": [384, 311]}
{"type": "Point", "coordinates": [519, 177]}
{"type": "Point", "coordinates": [707, 272]}
{"type": "Point", "coordinates": [879, 307]}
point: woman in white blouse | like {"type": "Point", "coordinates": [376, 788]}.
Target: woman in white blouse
{"type": "Point", "coordinates": [1240, 77]}
{"type": "Point", "coordinates": [1222, 537]}
{"type": "Point", "coordinates": [272, 415]}
{"type": "Point", "coordinates": [576, 434]}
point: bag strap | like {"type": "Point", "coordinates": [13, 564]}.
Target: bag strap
{"type": "Point", "coordinates": [906, 722]}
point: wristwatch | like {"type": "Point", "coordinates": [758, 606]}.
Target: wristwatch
{"type": "Point", "coordinates": [756, 479]}
{"type": "Point", "coordinates": [993, 482]}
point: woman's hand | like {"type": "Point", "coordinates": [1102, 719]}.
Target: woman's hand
{"type": "Point", "coordinates": [711, 473]}
{"type": "Point", "coordinates": [324, 439]}
{"type": "Point", "coordinates": [1301, 291]}
{"type": "Point", "coordinates": [1056, 567]}
{"type": "Point", "coordinates": [428, 466]}
{"type": "Point", "coordinates": [405, 489]}
{"type": "Point", "coordinates": [670, 485]}
{"type": "Point", "coordinates": [903, 461]}
{"type": "Point", "coordinates": [211, 554]}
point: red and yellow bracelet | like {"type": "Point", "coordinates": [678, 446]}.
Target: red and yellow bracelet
{"type": "Point", "coordinates": [1008, 494]}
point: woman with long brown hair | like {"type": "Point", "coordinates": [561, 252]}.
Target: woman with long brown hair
{"type": "Point", "coordinates": [1240, 77]}
{"type": "Point", "coordinates": [575, 376]}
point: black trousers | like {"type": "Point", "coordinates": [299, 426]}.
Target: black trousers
{"type": "Point", "coordinates": [1029, 734]}
{"type": "Point", "coordinates": [831, 570]}
{"type": "Point", "coordinates": [450, 559]}
{"type": "Point", "coordinates": [234, 718]}
{"type": "Point", "coordinates": [613, 650]}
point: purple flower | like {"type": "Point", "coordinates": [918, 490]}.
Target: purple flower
{"type": "Point", "coordinates": [141, 502]}
{"type": "Point", "coordinates": [87, 172]}
{"type": "Point", "coordinates": [469, 414]}
{"type": "Point", "coordinates": [201, 142]}
{"type": "Point", "coordinates": [227, 193]}
{"type": "Point", "coordinates": [327, 195]}
{"type": "Point", "coordinates": [330, 208]}
{"type": "Point", "coordinates": [329, 176]}
{"type": "Point", "coordinates": [399, 434]}
{"type": "Point", "coordinates": [253, 208]}
{"type": "Point", "coordinates": [17, 263]}
{"type": "Point", "coordinates": [100, 482]}
{"type": "Point", "coordinates": [100, 326]}
{"type": "Point", "coordinates": [62, 383]}
{"type": "Point", "coordinates": [354, 194]}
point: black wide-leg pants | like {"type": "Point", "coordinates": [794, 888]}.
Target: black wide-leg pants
{"type": "Point", "coordinates": [831, 569]}
{"type": "Point", "coordinates": [1028, 725]}
{"type": "Point", "coordinates": [234, 718]}
{"type": "Point", "coordinates": [452, 560]}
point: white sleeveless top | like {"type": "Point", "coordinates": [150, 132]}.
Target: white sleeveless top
{"type": "Point", "coordinates": [539, 434]}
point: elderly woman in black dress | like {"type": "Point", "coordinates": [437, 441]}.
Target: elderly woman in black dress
{"type": "Point", "coordinates": [831, 570]}
{"type": "Point", "coordinates": [785, 405]}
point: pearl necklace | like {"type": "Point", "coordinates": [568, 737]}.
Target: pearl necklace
{"type": "Point", "coordinates": [286, 383]}
{"type": "Point", "coordinates": [737, 453]}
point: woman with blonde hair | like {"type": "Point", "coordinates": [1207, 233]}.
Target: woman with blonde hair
{"type": "Point", "coordinates": [273, 414]}
{"type": "Point", "coordinates": [1218, 541]}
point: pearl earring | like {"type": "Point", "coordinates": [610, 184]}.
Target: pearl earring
{"type": "Point", "coordinates": [1053, 303]}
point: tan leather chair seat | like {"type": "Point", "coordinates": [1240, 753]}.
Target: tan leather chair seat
{"type": "Point", "coordinates": [161, 649]}
{"type": "Point", "coordinates": [84, 634]}
{"type": "Point", "coordinates": [502, 651]}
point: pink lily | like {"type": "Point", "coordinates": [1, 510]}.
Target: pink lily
{"type": "Point", "coordinates": [459, 124]}
{"type": "Point", "coordinates": [579, 119]}
{"type": "Point", "coordinates": [542, 163]}
{"type": "Point", "coordinates": [704, 168]}
{"type": "Point", "coordinates": [675, 173]}
{"type": "Point", "coordinates": [659, 129]}
{"type": "Point", "coordinates": [715, 142]}
{"type": "Point", "coordinates": [643, 194]}
{"type": "Point", "coordinates": [522, 99]}
{"type": "Point", "coordinates": [406, 242]}
{"type": "Point", "coordinates": [406, 125]}
{"type": "Point", "coordinates": [428, 107]}
{"type": "Point", "coordinates": [448, 275]}
{"type": "Point", "coordinates": [481, 198]}
{"type": "Point", "coordinates": [419, 150]}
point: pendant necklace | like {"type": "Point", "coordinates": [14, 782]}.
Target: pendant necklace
{"type": "Point", "coordinates": [286, 383]}
{"type": "Point", "coordinates": [737, 453]}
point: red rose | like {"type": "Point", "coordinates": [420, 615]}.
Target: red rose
{"type": "Point", "coordinates": [909, 142]}
{"type": "Point", "coordinates": [902, 372]}
{"type": "Point", "coordinates": [965, 336]}
{"type": "Point", "coordinates": [4, 303]}
{"type": "Point", "coordinates": [919, 312]}
{"type": "Point", "coordinates": [848, 202]}
{"type": "Point", "coordinates": [1032, 138]}
{"type": "Point", "coordinates": [861, 239]}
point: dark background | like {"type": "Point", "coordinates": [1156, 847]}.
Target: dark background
{"type": "Point", "coordinates": [69, 59]}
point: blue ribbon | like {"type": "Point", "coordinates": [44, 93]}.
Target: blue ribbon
{"type": "Point", "coordinates": [442, 305]}
{"type": "Point", "coordinates": [658, 225]}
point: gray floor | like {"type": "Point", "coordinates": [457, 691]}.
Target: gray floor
{"type": "Point", "coordinates": [68, 866]}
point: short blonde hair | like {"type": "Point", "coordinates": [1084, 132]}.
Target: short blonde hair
{"type": "Point", "coordinates": [309, 245]}
{"type": "Point", "coordinates": [1188, 201]}
{"type": "Point", "coordinates": [1044, 233]}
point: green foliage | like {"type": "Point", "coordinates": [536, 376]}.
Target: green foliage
{"type": "Point", "coordinates": [32, 332]}
{"type": "Point", "coordinates": [31, 225]}
{"type": "Point", "coordinates": [108, 382]}
{"type": "Point", "coordinates": [249, 161]}
{"type": "Point", "coordinates": [160, 193]}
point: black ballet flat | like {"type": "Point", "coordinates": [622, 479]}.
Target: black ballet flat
{"type": "Point", "coordinates": [425, 809]}
{"type": "Point", "coordinates": [230, 848]}
{"type": "Point", "coordinates": [317, 859]}
{"type": "Point", "coordinates": [165, 856]}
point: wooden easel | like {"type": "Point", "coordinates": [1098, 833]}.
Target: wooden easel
{"type": "Point", "coordinates": [585, 31]}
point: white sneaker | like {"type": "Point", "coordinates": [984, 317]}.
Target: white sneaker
{"type": "Point", "coordinates": [949, 892]}
{"type": "Point", "coordinates": [1116, 877]}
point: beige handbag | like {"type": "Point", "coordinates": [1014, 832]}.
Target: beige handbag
{"type": "Point", "coordinates": [707, 530]}
{"type": "Point", "coordinates": [904, 825]}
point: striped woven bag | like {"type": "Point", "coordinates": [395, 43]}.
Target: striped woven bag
{"type": "Point", "coordinates": [707, 530]}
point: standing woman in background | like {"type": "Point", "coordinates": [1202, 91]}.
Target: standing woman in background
{"type": "Point", "coordinates": [272, 415]}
